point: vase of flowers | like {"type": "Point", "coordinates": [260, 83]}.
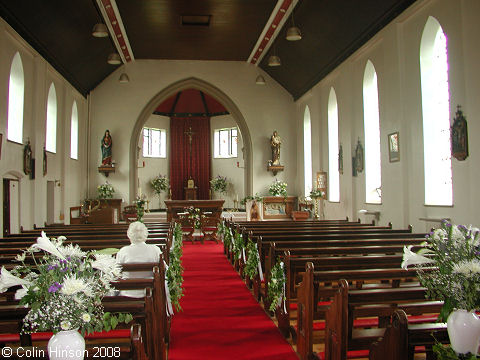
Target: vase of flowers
{"type": "Point", "coordinates": [316, 194]}
{"type": "Point", "coordinates": [105, 191]}
{"type": "Point", "coordinates": [219, 184]}
{"type": "Point", "coordinates": [449, 267]}
{"type": "Point", "coordinates": [64, 291]}
{"type": "Point", "coordinates": [140, 204]}
{"type": "Point", "coordinates": [159, 184]}
{"type": "Point", "coordinates": [278, 188]}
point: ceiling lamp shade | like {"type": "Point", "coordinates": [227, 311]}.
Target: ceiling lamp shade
{"type": "Point", "coordinates": [114, 59]}
{"type": "Point", "coordinates": [293, 34]}
{"type": "Point", "coordinates": [274, 60]}
{"type": "Point", "coordinates": [100, 30]}
{"type": "Point", "coordinates": [260, 80]}
{"type": "Point", "coordinates": [123, 79]}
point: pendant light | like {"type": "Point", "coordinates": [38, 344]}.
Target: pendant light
{"type": "Point", "coordinates": [293, 32]}
{"type": "Point", "coordinates": [100, 30]}
{"type": "Point", "coordinates": [123, 79]}
{"type": "Point", "coordinates": [274, 60]}
{"type": "Point", "coordinates": [114, 59]}
{"type": "Point", "coordinates": [260, 80]}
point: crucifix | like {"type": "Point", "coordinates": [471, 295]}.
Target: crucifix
{"type": "Point", "coordinates": [190, 133]}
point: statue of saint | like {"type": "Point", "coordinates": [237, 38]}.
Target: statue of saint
{"type": "Point", "coordinates": [275, 142]}
{"type": "Point", "coordinates": [106, 147]}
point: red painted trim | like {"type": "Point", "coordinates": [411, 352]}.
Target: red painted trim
{"type": "Point", "coordinates": [271, 29]}
{"type": "Point", "coordinates": [116, 29]}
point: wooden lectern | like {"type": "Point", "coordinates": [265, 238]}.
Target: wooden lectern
{"type": "Point", "coordinates": [191, 193]}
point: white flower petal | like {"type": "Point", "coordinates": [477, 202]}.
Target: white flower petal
{"type": "Point", "coordinates": [44, 243]}
{"type": "Point", "coordinates": [7, 280]}
{"type": "Point", "coordinates": [411, 258]}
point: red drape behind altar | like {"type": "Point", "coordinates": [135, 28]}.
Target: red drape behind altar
{"type": "Point", "coordinates": [184, 163]}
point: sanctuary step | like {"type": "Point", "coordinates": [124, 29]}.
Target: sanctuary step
{"type": "Point", "coordinates": [155, 217]}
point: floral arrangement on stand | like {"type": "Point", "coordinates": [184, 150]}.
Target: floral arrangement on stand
{"type": "Point", "coordinates": [448, 265]}
{"type": "Point", "coordinates": [278, 188]}
{"type": "Point", "coordinates": [159, 184]}
{"type": "Point", "coordinates": [105, 191]}
{"type": "Point", "coordinates": [174, 273]}
{"type": "Point", "coordinates": [196, 215]}
{"type": "Point", "coordinates": [140, 204]}
{"type": "Point", "coordinates": [65, 287]}
{"type": "Point", "coordinates": [276, 285]}
{"type": "Point", "coordinates": [317, 194]}
{"type": "Point", "coordinates": [219, 184]}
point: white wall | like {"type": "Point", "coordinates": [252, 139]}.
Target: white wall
{"type": "Point", "coordinates": [39, 75]}
{"type": "Point", "coordinates": [228, 167]}
{"type": "Point", "coordinates": [117, 107]}
{"type": "Point", "coordinates": [395, 55]}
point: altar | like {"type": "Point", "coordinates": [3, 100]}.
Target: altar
{"type": "Point", "coordinates": [178, 206]}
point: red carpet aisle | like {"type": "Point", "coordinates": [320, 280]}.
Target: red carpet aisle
{"type": "Point", "coordinates": [220, 318]}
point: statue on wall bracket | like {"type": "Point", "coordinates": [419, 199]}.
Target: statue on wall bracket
{"type": "Point", "coordinates": [459, 136]}
{"type": "Point", "coordinates": [27, 158]}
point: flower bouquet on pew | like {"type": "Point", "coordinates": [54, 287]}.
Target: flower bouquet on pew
{"type": "Point", "coordinates": [448, 266]}
{"type": "Point", "coordinates": [64, 288]}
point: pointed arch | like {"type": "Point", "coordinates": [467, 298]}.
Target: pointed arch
{"type": "Point", "coordinates": [51, 121]}
{"type": "Point", "coordinates": [220, 96]}
{"type": "Point", "coordinates": [307, 151]}
{"type": "Point", "coordinates": [371, 123]}
{"type": "Point", "coordinates": [435, 113]}
{"type": "Point", "coordinates": [333, 148]}
{"type": "Point", "coordinates": [16, 98]}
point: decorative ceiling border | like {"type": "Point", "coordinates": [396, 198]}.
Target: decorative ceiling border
{"type": "Point", "coordinates": [114, 22]}
{"type": "Point", "coordinates": [273, 26]}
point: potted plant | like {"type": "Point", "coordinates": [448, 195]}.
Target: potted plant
{"type": "Point", "coordinates": [278, 188]}
{"type": "Point", "coordinates": [219, 184]}
{"type": "Point", "coordinates": [64, 291]}
{"type": "Point", "coordinates": [449, 267]}
{"type": "Point", "coordinates": [105, 191]}
{"type": "Point", "coordinates": [159, 184]}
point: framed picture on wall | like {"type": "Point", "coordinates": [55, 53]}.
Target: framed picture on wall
{"type": "Point", "coordinates": [393, 147]}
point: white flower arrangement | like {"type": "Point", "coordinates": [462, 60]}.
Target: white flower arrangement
{"type": "Point", "coordinates": [105, 191]}
{"type": "Point", "coordinates": [317, 194]}
{"type": "Point", "coordinates": [159, 184]}
{"type": "Point", "coordinates": [65, 287]}
{"type": "Point", "coordinates": [219, 184]}
{"type": "Point", "coordinates": [278, 188]}
{"type": "Point", "coordinates": [449, 266]}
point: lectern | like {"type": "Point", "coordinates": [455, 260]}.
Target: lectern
{"type": "Point", "coordinates": [191, 193]}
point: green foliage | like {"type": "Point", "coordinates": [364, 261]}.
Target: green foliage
{"type": "Point", "coordinates": [105, 191]}
{"type": "Point", "coordinates": [317, 194]}
{"type": "Point", "coordinates": [256, 197]}
{"type": "Point", "coordinates": [237, 245]}
{"type": "Point", "coordinates": [278, 188]}
{"type": "Point", "coordinates": [253, 259]}
{"type": "Point", "coordinates": [110, 321]}
{"type": "Point", "coordinates": [228, 238]}
{"type": "Point", "coordinates": [446, 353]}
{"type": "Point", "coordinates": [140, 204]}
{"type": "Point", "coordinates": [454, 253]}
{"type": "Point", "coordinates": [219, 184]}
{"type": "Point", "coordinates": [276, 285]}
{"type": "Point", "coordinates": [174, 273]}
{"type": "Point", "coordinates": [159, 184]}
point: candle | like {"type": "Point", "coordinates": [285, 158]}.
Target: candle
{"type": "Point", "coordinates": [236, 197]}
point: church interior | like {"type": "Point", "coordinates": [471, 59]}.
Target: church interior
{"type": "Point", "coordinates": [312, 110]}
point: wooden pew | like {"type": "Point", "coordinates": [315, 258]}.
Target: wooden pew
{"type": "Point", "coordinates": [401, 338]}
{"type": "Point", "coordinates": [379, 300]}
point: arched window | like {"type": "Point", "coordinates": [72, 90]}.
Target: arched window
{"type": "Point", "coordinates": [74, 132]}
{"type": "Point", "coordinates": [436, 112]}
{"type": "Point", "coordinates": [51, 128]}
{"type": "Point", "coordinates": [371, 123]}
{"type": "Point", "coordinates": [333, 174]}
{"type": "Point", "coordinates": [16, 95]}
{"type": "Point", "coordinates": [307, 151]}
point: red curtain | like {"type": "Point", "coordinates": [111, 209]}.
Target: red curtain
{"type": "Point", "coordinates": [190, 161]}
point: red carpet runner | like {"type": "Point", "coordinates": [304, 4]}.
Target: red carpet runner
{"type": "Point", "coordinates": [220, 318]}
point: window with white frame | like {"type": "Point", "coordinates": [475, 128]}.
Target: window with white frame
{"type": "Point", "coordinates": [333, 174]}
{"type": "Point", "coordinates": [371, 122]}
{"type": "Point", "coordinates": [74, 132]}
{"type": "Point", "coordinates": [154, 143]}
{"type": "Point", "coordinates": [225, 143]}
{"type": "Point", "coordinates": [436, 112]}
{"type": "Point", "coordinates": [16, 96]}
{"type": "Point", "coordinates": [51, 127]}
{"type": "Point", "coordinates": [307, 151]}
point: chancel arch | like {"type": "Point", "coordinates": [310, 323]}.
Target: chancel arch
{"type": "Point", "coordinates": [218, 95]}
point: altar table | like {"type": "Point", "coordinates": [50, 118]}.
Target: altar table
{"type": "Point", "coordinates": [178, 206]}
